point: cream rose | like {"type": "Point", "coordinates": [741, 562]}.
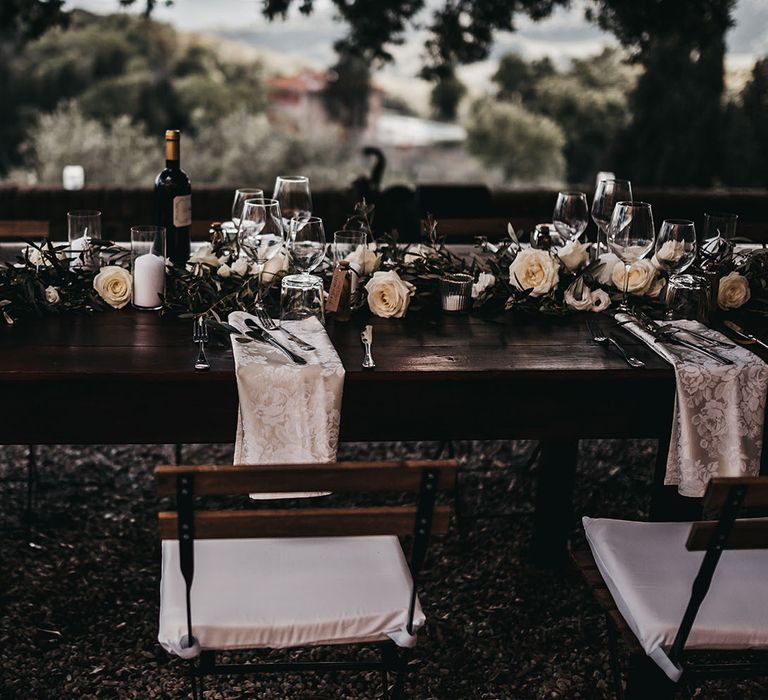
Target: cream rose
{"type": "Point", "coordinates": [733, 291]}
{"type": "Point", "coordinates": [601, 300]}
{"type": "Point", "coordinates": [224, 270]}
{"type": "Point", "coordinates": [113, 285]}
{"type": "Point", "coordinates": [605, 273]}
{"type": "Point", "coordinates": [418, 252]}
{"type": "Point", "coordinates": [485, 280]}
{"type": "Point", "coordinates": [240, 267]}
{"type": "Point", "coordinates": [364, 260]}
{"type": "Point", "coordinates": [204, 256]}
{"type": "Point", "coordinates": [642, 276]}
{"type": "Point", "coordinates": [578, 296]}
{"type": "Point", "coordinates": [388, 295]}
{"type": "Point", "coordinates": [36, 257]}
{"type": "Point", "coordinates": [573, 255]}
{"type": "Point", "coordinates": [534, 269]}
{"type": "Point", "coordinates": [274, 266]}
{"type": "Point", "coordinates": [670, 252]}
{"type": "Point", "coordinates": [52, 295]}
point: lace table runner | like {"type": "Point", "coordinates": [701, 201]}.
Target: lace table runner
{"type": "Point", "coordinates": [717, 428]}
{"type": "Point", "coordinates": [289, 413]}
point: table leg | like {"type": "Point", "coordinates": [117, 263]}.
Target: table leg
{"type": "Point", "coordinates": [553, 519]}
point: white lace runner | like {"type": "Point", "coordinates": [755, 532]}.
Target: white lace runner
{"type": "Point", "coordinates": [289, 413]}
{"type": "Point", "coordinates": [717, 428]}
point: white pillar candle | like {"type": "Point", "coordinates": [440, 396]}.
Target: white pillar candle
{"type": "Point", "coordinates": [148, 280]}
{"type": "Point", "coordinates": [454, 302]}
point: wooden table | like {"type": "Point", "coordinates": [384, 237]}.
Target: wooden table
{"type": "Point", "coordinates": [127, 377]}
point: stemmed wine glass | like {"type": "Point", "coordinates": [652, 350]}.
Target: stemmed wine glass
{"type": "Point", "coordinates": [607, 194]}
{"type": "Point", "coordinates": [292, 192]}
{"type": "Point", "coordinates": [571, 216]}
{"type": "Point", "coordinates": [242, 195]}
{"type": "Point", "coordinates": [307, 247]}
{"type": "Point", "coordinates": [261, 234]}
{"type": "Point", "coordinates": [630, 237]}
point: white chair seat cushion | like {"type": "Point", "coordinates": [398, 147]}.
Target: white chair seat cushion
{"type": "Point", "coordinates": [278, 593]}
{"type": "Point", "coordinates": [649, 573]}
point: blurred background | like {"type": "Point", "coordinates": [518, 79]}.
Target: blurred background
{"type": "Point", "coordinates": [672, 93]}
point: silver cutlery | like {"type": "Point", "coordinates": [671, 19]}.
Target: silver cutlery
{"type": "Point", "coordinates": [703, 338]}
{"type": "Point", "coordinates": [367, 337]}
{"type": "Point", "coordinates": [599, 337]}
{"type": "Point", "coordinates": [200, 336]}
{"type": "Point", "coordinates": [258, 333]}
{"type": "Point", "coordinates": [746, 335]}
{"type": "Point", "coordinates": [268, 323]}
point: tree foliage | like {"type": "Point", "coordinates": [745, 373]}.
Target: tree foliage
{"type": "Point", "coordinates": [348, 91]}
{"type": "Point", "coordinates": [446, 95]}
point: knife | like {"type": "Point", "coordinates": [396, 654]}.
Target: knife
{"type": "Point", "coordinates": [738, 330]}
{"type": "Point", "coordinates": [367, 337]}
{"type": "Point", "coordinates": [260, 334]}
{"type": "Point", "coordinates": [303, 344]}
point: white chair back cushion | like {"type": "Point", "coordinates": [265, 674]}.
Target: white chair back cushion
{"type": "Point", "coordinates": [278, 593]}
{"type": "Point", "coordinates": [649, 572]}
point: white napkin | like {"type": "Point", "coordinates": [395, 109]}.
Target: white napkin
{"type": "Point", "coordinates": [289, 413]}
{"type": "Point", "coordinates": [717, 427]}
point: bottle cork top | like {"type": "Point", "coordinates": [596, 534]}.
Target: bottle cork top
{"type": "Point", "coordinates": [344, 264]}
{"type": "Point", "coordinates": [172, 135]}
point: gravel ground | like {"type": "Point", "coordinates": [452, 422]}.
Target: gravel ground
{"type": "Point", "coordinates": [79, 604]}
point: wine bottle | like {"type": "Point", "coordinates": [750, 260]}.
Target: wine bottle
{"type": "Point", "coordinates": [173, 200]}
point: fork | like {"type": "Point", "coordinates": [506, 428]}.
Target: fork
{"type": "Point", "coordinates": [599, 337]}
{"type": "Point", "coordinates": [200, 336]}
{"type": "Point", "coordinates": [268, 324]}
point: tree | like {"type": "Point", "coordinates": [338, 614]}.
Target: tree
{"type": "Point", "coordinates": [348, 92]}
{"type": "Point", "coordinates": [523, 144]}
{"type": "Point", "coordinates": [674, 135]}
{"type": "Point", "coordinates": [446, 95]}
{"type": "Point", "coordinates": [517, 79]}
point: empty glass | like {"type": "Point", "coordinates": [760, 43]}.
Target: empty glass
{"type": "Point", "coordinates": [300, 299]}
{"type": "Point", "coordinates": [688, 296]}
{"type": "Point", "coordinates": [607, 194]}
{"type": "Point", "coordinates": [306, 245]}
{"type": "Point", "coordinates": [242, 195]}
{"type": "Point", "coordinates": [292, 193]}
{"type": "Point", "coordinates": [261, 234]}
{"type": "Point", "coordinates": [630, 237]}
{"type": "Point", "coordinates": [676, 245]}
{"type": "Point", "coordinates": [717, 240]}
{"type": "Point", "coordinates": [347, 242]}
{"type": "Point", "coordinates": [82, 227]}
{"type": "Point", "coordinates": [571, 215]}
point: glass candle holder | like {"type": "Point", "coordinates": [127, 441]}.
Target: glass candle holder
{"type": "Point", "coordinates": [82, 227]}
{"type": "Point", "coordinates": [301, 297]}
{"type": "Point", "coordinates": [148, 266]}
{"type": "Point", "coordinates": [456, 292]}
{"type": "Point", "coordinates": [688, 297]}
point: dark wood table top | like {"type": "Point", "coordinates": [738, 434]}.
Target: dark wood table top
{"type": "Point", "coordinates": [128, 377]}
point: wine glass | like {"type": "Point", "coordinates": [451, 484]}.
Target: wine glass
{"type": "Point", "coordinates": [292, 192]}
{"type": "Point", "coordinates": [571, 215]}
{"type": "Point", "coordinates": [607, 193]}
{"type": "Point", "coordinates": [261, 234]}
{"type": "Point", "coordinates": [675, 248]}
{"type": "Point", "coordinates": [242, 194]}
{"type": "Point", "coordinates": [630, 237]}
{"type": "Point", "coordinates": [307, 246]}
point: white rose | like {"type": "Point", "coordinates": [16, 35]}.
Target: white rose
{"type": "Point", "coordinates": [113, 285]}
{"type": "Point", "coordinates": [601, 300]}
{"type": "Point", "coordinates": [485, 280]}
{"type": "Point", "coordinates": [573, 255]}
{"type": "Point", "coordinates": [274, 266]}
{"type": "Point", "coordinates": [36, 257]}
{"type": "Point", "coordinates": [642, 276]}
{"type": "Point", "coordinates": [670, 252]}
{"type": "Point", "coordinates": [363, 259]}
{"type": "Point", "coordinates": [578, 296]}
{"type": "Point", "coordinates": [605, 273]}
{"type": "Point", "coordinates": [204, 256]}
{"type": "Point", "coordinates": [52, 295]}
{"type": "Point", "coordinates": [224, 270]}
{"type": "Point", "coordinates": [418, 252]}
{"type": "Point", "coordinates": [733, 291]}
{"type": "Point", "coordinates": [388, 295]}
{"type": "Point", "coordinates": [534, 269]}
{"type": "Point", "coordinates": [240, 267]}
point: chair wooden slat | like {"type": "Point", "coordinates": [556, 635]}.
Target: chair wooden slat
{"type": "Point", "coordinates": [719, 487]}
{"type": "Point", "coordinates": [24, 229]}
{"type": "Point", "coordinates": [218, 480]}
{"type": "Point", "coordinates": [747, 533]}
{"type": "Point", "coordinates": [305, 522]}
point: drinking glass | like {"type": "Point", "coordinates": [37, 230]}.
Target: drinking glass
{"type": "Point", "coordinates": [676, 245]}
{"type": "Point", "coordinates": [82, 227]}
{"type": "Point", "coordinates": [300, 299]}
{"type": "Point", "coordinates": [688, 296]}
{"type": "Point", "coordinates": [307, 246]}
{"type": "Point", "coordinates": [607, 194]}
{"type": "Point", "coordinates": [261, 234]}
{"type": "Point", "coordinates": [571, 215]}
{"type": "Point", "coordinates": [720, 225]}
{"type": "Point", "coordinates": [242, 195]}
{"type": "Point", "coordinates": [347, 242]}
{"type": "Point", "coordinates": [717, 241]}
{"type": "Point", "coordinates": [630, 237]}
{"type": "Point", "coordinates": [292, 193]}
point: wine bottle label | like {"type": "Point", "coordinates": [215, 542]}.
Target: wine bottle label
{"type": "Point", "coordinates": [339, 280]}
{"type": "Point", "coordinates": [182, 210]}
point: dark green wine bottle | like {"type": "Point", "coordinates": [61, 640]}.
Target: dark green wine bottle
{"type": "Point", "coordinates": [173, 202]}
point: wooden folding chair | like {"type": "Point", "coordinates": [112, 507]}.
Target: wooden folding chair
{"type": "Point", "coordinates": [272, 577]}
{"type": "Point", "coordinates": [684, 618]}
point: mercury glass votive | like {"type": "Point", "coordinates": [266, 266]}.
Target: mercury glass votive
{"type": "Point", "coordinates": [148, 266]}
{"type": "Point", "coordinates": [456, 292]}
